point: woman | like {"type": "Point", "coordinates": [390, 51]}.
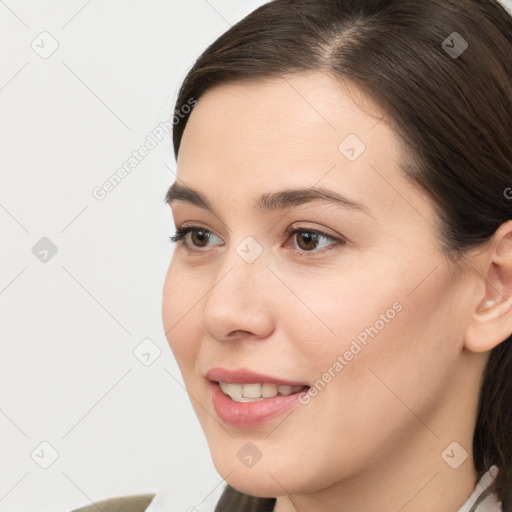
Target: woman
{"type": "Point", "coordinates": [344, 241]}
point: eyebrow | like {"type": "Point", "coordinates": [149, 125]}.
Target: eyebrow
{"type": "Point", "coordinates": [269, 202]}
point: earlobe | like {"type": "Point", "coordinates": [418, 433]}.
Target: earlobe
{"type": "Point", "coordinates": [491, 321]}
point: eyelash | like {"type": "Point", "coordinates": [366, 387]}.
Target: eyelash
{"type": "Point", "coordinates": [179, 238]}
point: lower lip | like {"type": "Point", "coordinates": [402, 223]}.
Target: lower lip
{"type": "Point", "coordinates": [248, 414]}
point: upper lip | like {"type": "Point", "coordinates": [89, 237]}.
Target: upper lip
{"type": "Point", "coordinates": [244, 376]}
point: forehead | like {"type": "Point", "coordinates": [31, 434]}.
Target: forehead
{"type": "Point", "coordinates": [244, 139]}
{"type": "Point", "coordinates": [303, 113]}
{"type": "Point", "coordinates": [290, 120]}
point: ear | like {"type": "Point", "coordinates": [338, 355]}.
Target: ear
{"type": "Point", "coordinates": [491, 320]}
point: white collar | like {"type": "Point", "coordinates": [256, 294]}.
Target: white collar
{"type": "Point", "coordinates": [480, 500]}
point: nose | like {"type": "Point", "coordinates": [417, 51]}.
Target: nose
{"type": "Point", "coordinates": [241, 301]}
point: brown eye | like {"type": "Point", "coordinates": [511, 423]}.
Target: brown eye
{"type": "Point", "coordinates": [307, 240]}
{"type": "Point", "coordinates": [200, 237]}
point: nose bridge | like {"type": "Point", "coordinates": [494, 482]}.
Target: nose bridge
{"type": "Point", "coordinates": [238, 300]}
{"type": "Point", "coordinates": [244, 267]}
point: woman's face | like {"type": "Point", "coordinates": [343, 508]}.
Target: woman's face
{"type": "Point", "coordinates": [366, 318]}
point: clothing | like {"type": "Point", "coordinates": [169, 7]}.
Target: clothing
{"type": "Point", "coordinates": [134, 503]}
{"type": "Point", "coordinates": [480, 500]}
{"type": "Point", "coordinates": [167, 501]}
{"type": "Point", "coordinates": [507, 4]}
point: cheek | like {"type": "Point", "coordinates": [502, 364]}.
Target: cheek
{"type": "Point", "coordinates": [387, 318]}
{"type": "Point", "coordinates": [395, 352]}
{"type": "Point", "coordinates": [180, 300]}
{"type": "Point", "coordinates": [332, 312]}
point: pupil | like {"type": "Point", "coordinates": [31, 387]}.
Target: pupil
{"type": "Point", "coordinates": [200, 234]}
{"type": "Point", "coordinates": [312, 238]}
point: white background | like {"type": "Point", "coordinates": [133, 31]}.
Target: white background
{"type": "Point", "coordinates": [70, 325]}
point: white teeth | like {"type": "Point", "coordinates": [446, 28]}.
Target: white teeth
{"type": "Point", "coordinates": [251, 390]}
{"type": "Point", "coordinates": [255, 392]}
{"type": "Point", "coordinates": [285, 390]}
{"type": "Point", "coordinates": [268, 390]}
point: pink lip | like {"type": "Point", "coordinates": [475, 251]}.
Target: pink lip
{"type": "Point", "coordinates": [249, 414]}
{"type": "Point", "coordinates": [243, 376]}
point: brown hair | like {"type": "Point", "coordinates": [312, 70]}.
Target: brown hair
{"type": "Point", "coordinates": [454, 113]}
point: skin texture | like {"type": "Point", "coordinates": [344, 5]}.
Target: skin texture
{"type": "Point", "coordinates": [372, 438]}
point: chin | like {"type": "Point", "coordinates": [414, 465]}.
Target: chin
{"type": "Point", "coordinates": [261, 489]}
{"type": "Point", "coordinates": [266, 479]}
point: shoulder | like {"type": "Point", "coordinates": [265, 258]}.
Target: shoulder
{"type": "Point", "coordinates": [133, 503]}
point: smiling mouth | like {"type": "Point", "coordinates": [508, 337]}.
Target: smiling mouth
{"type": "Point", "coordinates": [256, 392]}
